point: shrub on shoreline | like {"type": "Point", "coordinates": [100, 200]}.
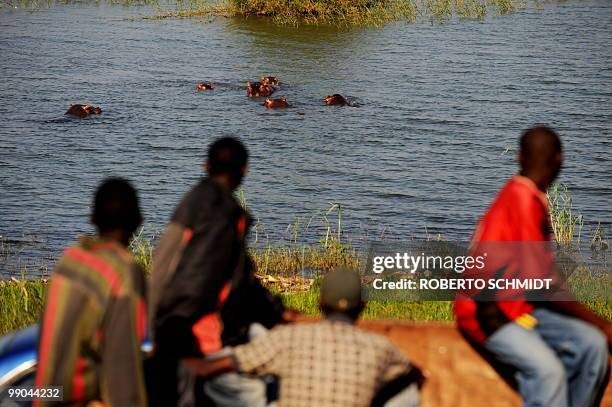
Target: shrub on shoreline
{"type": "Point", "coordinates": [373, 13]}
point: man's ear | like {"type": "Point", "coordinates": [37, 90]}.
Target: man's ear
{"type": "Point", "coordinates": [245, 170]}
{"type": "Point", "coordinates": [206, 167]}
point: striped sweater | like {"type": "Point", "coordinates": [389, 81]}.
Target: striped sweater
{"type": "Point", "coordinates": [92, 326]}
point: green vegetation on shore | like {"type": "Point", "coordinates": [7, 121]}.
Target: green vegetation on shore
{"type": "Point", "coordinates": [282, 268]}
{"type": "Point", "coordinates": [21, 304]}
{"type": "Point", "coordinates": [343, 12]}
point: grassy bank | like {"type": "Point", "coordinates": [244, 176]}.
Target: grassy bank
{"type": "Point", "coordinates": [21, 304]}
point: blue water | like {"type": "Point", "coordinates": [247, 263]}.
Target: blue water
{"type": "Point", "coordinates": [440, 109]}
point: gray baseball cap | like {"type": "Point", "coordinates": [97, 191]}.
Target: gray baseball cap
{"type": "Point", "coordinates": [341, 290]}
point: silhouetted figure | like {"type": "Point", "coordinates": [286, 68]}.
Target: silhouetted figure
{"type": "Point", "coordinates": [94, 318]}
{"type": "Point", "coordinates": [204, 294]}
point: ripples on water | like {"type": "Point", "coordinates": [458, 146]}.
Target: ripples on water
{"type": "Point", "coordinates": [439, 105]}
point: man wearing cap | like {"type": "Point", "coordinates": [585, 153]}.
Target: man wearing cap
{"type": "Point", "coordinates": [327, 363]}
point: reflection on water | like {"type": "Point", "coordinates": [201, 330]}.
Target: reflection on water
{"type": "Point", "coordinates": [441, 108]}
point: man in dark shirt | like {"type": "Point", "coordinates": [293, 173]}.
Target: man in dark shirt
{"type": "Point", "coordinates": [204, 294]}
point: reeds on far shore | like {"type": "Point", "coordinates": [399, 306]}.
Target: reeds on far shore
{"type": "Point", "coordinates": [21, 303]}
{"type": "Point", "coordinates": [565, 221]}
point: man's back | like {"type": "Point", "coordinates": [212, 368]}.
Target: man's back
{"type": "Point", "coordinates": [198, 255]}
{"type": "Point", "coordinates": [329, 363]}
{"type": "Point", "coordinates": [93, 323]}
{"type": "Point", "coordinates": [518, 213]}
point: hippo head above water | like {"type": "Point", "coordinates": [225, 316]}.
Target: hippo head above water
{"type": "Point", "coordinates": [269, 80]}
{"type": "Point", "coordinates": [258, 89]}
{"type": "Point", "coordinates": [205, 86]}
{"type": "Point", "coordinates": [83, 110]}
{"type": "Point", "coordinates": [335, 99]}
{"type": "Point", "coordinates": [276, 103]}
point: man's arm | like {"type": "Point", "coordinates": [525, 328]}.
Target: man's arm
{"type": "Point", "coordinates": [122, 368]}
{"type": "Point", "coordinates": [260, 356]}
{"type": "Point", "coordinates": [211, 368]}
{"type": "Point", "coordinates": [562, 300]}
{"type": "Point", "coordinates": [397, 374]}
{"type": "Point", "coordinates": [65, 310]}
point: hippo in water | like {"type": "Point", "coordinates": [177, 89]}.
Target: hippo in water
{"type": "Point", "coordinates": [83, 110]}
{"type": "Point", "coordinates": [276, 103]}
{"type": "Point", "coordinates": [335, 99]}
{"type": "Point", "coordinates": [205, 86]}
{"type": "Point", "coordinates": [270, 80]}
{"type": "Point", "coordinates": [258, 89]}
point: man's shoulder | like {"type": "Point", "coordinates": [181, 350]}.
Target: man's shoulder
{"type": "Point", "coordinates": [375, 340]}
{"type": "Point", "coordinates": [519, 193]}
{"type": "Point", "coordinates": [101, 266]}
{"type": "Point", "coordinates": [205, 201]}
{"type": "Point", "coordinates": [516, 201]}
{"type": "Point", "coordinates": [350, 332]}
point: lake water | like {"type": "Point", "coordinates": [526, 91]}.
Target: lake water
{"type": "Point", "coordinates": [440, 109]}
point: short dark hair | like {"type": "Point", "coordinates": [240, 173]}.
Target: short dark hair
{"type": "Point", "coordinates": [539, 139]}
{"type": "Point", "coordinates": [227, 155]}
{"type": "Point", "coordinates": [116, 206]}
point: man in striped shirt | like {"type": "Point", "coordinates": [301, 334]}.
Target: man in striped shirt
{"type": "Point", "coordinates": [94, 317]}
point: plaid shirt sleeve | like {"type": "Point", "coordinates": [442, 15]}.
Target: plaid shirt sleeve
{"type": "Point", "coordinates": [264, 354]}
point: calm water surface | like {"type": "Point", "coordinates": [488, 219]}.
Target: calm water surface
{"type": "Point", "coordinates": [440, 111]}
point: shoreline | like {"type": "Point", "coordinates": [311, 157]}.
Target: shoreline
{"type": "Point", "coordinates": [22, 302]}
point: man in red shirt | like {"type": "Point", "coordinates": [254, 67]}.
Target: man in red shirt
{"type": "Point", "coordinates": [558, 348]}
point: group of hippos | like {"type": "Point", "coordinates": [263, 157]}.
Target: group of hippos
{"type": "Point", "coordinates": [263, 88]}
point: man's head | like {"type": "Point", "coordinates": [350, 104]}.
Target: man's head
{"type": "Point", "coordinates": [341, 293]}
{"type": "Point", "coordinates": [227, 161]}
{"type": "Point", "coordinates": [115, 210]}
{"type": "Point", "coordinates": [540, 156]}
